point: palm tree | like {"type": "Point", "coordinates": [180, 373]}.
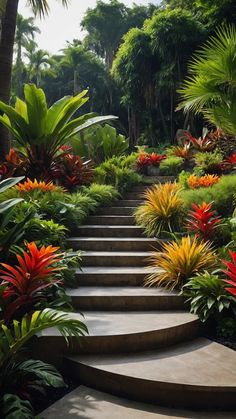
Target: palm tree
{"type": "Point", "coordinates": [40, 8]}
{"type": "Point", "coordinates": [25, 30]}
{"type": "Point", "coordinates": [38, 60]}
{"type": "Point", "coordinates": [210, 88]}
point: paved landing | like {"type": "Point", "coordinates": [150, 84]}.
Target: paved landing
{"type": "Point", "coordinates": [86, 403]}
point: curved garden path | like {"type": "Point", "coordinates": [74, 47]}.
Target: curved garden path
{"type": "Point", "coordinates": [144, 349]}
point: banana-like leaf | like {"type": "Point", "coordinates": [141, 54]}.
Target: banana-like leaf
{"type": "Point", "coordinates": [36, 110]}
{"type": "Point", "coordinates": [90, 122]}
{"type": "Point", "coordinates": [6, 205]}
{"type": "Point", "coordinates": [8, 183]}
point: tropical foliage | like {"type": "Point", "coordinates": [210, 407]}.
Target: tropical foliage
{"type": "Point", "coordinates": [41, 131]}
{"type": "Point", "coordinates": [210, 88]}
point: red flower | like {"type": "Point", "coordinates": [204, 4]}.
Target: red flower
{"type": "Point", "coordinates": [155, 159]}
{"type": "Point", "coordinates": [231, 159]}
{"type": "Point", "coordinates": [33, 274]}
{"type": "Point", "coordinates": [231, 273]}
{"type": "Point", "coordinates": [203, 221]}
{"type": "Point", "coordinates": [206, 143]}
{"type": "Point", "coordinates": [143, 160]}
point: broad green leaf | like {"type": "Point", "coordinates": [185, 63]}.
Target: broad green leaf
{"type": "Point", "coordinates": [36, 109]}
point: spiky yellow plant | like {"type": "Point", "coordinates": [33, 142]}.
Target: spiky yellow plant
{"type": "Point", "coordinates": [179, 261]}
{"type": "Point", "coordinates": [30, 186]}
{"type": "Point", "coordinates": [161, 210]}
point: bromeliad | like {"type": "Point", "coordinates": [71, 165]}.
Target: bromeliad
{"type": "Point", "coordinates": [25, 283]}
{"type": "Point", "coordinates": [203, 221]}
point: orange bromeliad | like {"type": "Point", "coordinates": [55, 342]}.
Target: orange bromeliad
{"type": "Point", "coordinates": [30, 186]}
{"type": "Point", "coordinates": [205, 181]}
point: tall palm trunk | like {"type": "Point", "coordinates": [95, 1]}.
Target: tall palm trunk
{"type": "Point", "coordinates": [6, 57]}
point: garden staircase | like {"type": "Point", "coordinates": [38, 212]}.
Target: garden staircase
{"type": "Point", "coordinates": [143, 344]}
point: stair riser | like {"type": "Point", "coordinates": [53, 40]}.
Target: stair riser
{"type": "Point", "coordinates": [108, 232]}
{"type": "Point", "coordinates": [128, 203]}
{"type": "Point", "coordinates": [116, 344]}
{"type": "Point", "coordinates": [112, 220]}
{"type": "Point", "coordinates": [134, 196]}
{"type": "Point", "coordinates": [158, 393]}
{"type": "Point", "coordinates": [106, 246]}
{"type": "Point", "coordinates": [128, 303]}
{"type": "Point", "coordinates": [110, 280]}
{"type": "Point", "coordinates": [114, 260]}
{"type": "Point", "coordinates": [116, 211]}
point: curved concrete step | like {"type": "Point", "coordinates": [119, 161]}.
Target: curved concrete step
{"type": "Point", "coordinates": [109, 231]}
{"type": "Point", "coordinates": [197, 374]}
{"type": "Point", "coordinates": [125, 298]}
{"type": "Point", "coordinates": [90, 258]}
{"type": "Point", "coordinates": [123, 220]}
{"type": "Point", "coordinates": [87, 403]}
{"type": "Point", "coordinates": [116, 210]}
{"type": "Point", "coordinates": [112, 244]}
{"type": "Point", "coordinates": [132, 331]}
{"type": "Point", "coordinates": [112, 276]}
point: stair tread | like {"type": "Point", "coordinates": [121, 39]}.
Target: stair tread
{"type": "Point", "coordinates": [110, 239]}
{"type": "Point", "coordinates": [118, 291]}
{"type": "Point", "coordinates": [84, 402]}
{"type": "Point", "coordinates": [114, 270]}
{"type": "Point", "coordinates": [200, 363]}
{"type": "Point", "coordinates": [117, 253]}
{"type": "Point", "coordinates": [103, 323]}
{"type": "Point", "coordinates": [110, 226]}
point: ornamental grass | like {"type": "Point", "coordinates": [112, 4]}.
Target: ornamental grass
{"type": "Point", "coordinates": [161, 210]}
{"type": "Point", "coordinates": [180, 260]}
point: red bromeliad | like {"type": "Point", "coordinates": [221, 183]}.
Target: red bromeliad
{"type": "Point", "coordinates": [203, 221]}
{"type": "Point", "coordinates": [231, 159]}
{"type": "Point", "coordinates": [143, 160]}
{"type": "Point", "coordinates": [231, 273]}
{"type": "Point", "coordinates": [24, 284]}
{"type": "Point", "coordinates": [155, 159]}
{"type": "Point", "coordinates": [205, 143]}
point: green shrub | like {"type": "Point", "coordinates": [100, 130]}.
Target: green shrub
{"type": "Point", "coordinates": [222, 194]}
{"type": "Point", "coordinates": [119, 172]}
{"type": "Point", "coordinates": [45, 232]}
{"type": "Point", "coordinates": [183, 179]}
{"type": "Point", "coordinates": [207, 296]}
{"type": "Point", "coordinates": [103, 194]}
{"type": "Point", "coordinates": [208, 162]}
{"type": "Point", "coordinates": [171, 166]}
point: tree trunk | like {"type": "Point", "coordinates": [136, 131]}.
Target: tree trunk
{"type": "Point", "coordinates": [6, 58]}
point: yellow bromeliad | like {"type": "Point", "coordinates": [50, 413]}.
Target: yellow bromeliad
{"type": "Point", "coordinates": [30, 186]}
{"type": "Point", "coordinates": [161, 210]}
{"type": "Point", "coordinates": [179, 261]}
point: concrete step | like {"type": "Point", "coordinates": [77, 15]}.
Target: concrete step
{"type": "Point", "coordinates": [134, 196]}
{"type": "Point", "coordinates": [112, 276]}
{"type": "Point", "coordinates": [119, 332]}
{"type": "Point", "coordinates": [109, 231]}
{"type": "Point", "coordinates": [127, 203]}
{"type": "Point", "coordinates": [113, 244]}
{"type": "Point", "coordinates": [199, 374]}
{"type": "Point", "coordinates": [125, 298]}
{"type": "Point", "coordinates": [122, 220]}
{"type": "Point", "coordinates": [116, 210]}
{"type": "Point", "coordinates": [87, 403]}
{"type": "Point", "coordinates": [121, 258]}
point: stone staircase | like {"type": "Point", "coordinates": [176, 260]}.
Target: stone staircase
{"type": "Point", "coordinates": [143, 344]}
